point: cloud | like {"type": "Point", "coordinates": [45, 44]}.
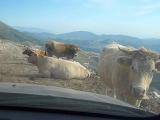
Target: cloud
{"type": "Point", "coordinates": [148, 9]}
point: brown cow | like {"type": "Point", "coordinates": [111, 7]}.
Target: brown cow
{"type": "Point", "coordinates": [61, 50]}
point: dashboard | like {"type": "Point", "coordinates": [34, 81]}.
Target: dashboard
{"type": "Point", "coordinates": [16, 113]}
{"type": "Point", "coordinates": [26, 115]}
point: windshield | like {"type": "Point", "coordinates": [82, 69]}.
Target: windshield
{"type": "Point", "coordinates": [107, 47]}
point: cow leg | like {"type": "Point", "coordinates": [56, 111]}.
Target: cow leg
{"type": "Point", "coordinates": [52, 75]}
{"type": "Point", "coordinates": [120, 96]}
{"type": "Point", "coordinates": [109, 92]}
{"type": "Point", "coordinates": [44, 73]}
{"type": "Point", "coordinates": [138, 103]}
{"type": "Point", "coordinates": [114, 93]}
{"type": "Point", "coordinates": [106, 93]}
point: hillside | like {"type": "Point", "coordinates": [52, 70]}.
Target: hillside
{"type": "Point", "coordinates": [92, 42]}
{"type": "Point", "coordinates": [78, 35]}
{"type": "Point", "coordinates": [7, 32]}
{"type": "Point", "coordinates": [28, 29]}
{"type": "Point", "coordinates": [86, 40]}
{"type": "Point", "coordinates": [37, 39]}
{"type": "Point", "coordinates": [15, 68]}
{"type": "Point", "coordinates": [42, 36]}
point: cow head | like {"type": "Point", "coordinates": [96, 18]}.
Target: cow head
{"type": "Point", "coordinates": [28, 52]}
{"type": "Point", "coordinates": [74, 50]}
{"type": "Point", "coordinates": [33, 54]}
{"type": "Point", "coordinates": [141, 67]}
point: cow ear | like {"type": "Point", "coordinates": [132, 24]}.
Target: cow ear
{"type": "Point", "coordinates": [157, 65]}
{"type": "Point", "coordinates": [124, 61]}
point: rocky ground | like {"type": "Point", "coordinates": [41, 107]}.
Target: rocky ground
{"type": "Point", "coordinates": [153, 103]}
{"type": "Point", "coordinates": [15, 68]}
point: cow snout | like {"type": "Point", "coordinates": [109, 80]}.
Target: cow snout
{"type": "Point", "coordinates": [76, 55]}
{"type": "Point", "coordinates": [138, 92]}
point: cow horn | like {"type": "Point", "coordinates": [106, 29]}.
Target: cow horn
{"type": "Point", "coordinates": [128, 51]}
{"type": "Point", "coordinates": [150, 53]}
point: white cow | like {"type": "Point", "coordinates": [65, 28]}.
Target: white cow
{"type": "Point", "coordinates": [127, 71]}
{"type": "Point", "coordinates": [59, 68]}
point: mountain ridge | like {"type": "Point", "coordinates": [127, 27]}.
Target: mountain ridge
{"type": "Point", "coordinates": [88, 41]}
{"type": "Point", "coordinates": [7, 32]}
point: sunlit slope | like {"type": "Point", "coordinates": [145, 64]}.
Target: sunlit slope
{"type": "Point", "coordinates": [7, 32]}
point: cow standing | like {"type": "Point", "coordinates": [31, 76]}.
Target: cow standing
{"type": "Point", "coordinates": [128, 72]}
{"type": "Point", "coordinates": [61, 50]}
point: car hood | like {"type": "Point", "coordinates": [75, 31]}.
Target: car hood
{"type": "Point", "coordinates": [63, 98]}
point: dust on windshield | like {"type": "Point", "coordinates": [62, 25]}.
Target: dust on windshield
{"type": "Point", "coordinates": [95, 47]}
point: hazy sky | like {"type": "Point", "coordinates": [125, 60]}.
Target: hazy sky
{"type": "Point", "coordinates": [130, 17]}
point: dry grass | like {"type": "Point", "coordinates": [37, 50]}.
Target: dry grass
{"type": "Point", "coordinates": [15, 68]}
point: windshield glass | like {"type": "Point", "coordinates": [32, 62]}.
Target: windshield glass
{"type": "Point", "coordinates": [107, 47]}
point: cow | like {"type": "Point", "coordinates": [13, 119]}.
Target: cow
{"type": "Point", "coordinates": [59, 68]}
{"type": "Point", "coordinates": [127, 72]}
{"type": "Point", "coordinates": [60, 49]}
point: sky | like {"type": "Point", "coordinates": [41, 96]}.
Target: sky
{"type": "Point", "coordinates": [140, 18]}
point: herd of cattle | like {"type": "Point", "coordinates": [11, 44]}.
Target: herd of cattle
{"type": "Point", "coordinates": [127, 72]}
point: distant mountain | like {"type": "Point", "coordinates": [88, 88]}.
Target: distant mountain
{"type": "Point", "coordinates": [152, 43]}
{"type": "Point", "coordinates": [78, 35]}
{"type": "Point", "coordinates": [122, 39]}
{"type": "Point", "coordinates": [29, 29]}
{"type": "Point", "coordinates": [43, 36]}
{"type": "Point", "coordinates": [7, 32]}
{"type": "Point", "coordinates": [86, 40]}
{"type": "Point", "coordinates": [92, 42]}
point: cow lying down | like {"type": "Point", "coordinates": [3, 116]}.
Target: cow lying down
{"type": "Point", "coordinates": [59, 68]}
{"type": "Point", "coordinates": [128, 71]}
